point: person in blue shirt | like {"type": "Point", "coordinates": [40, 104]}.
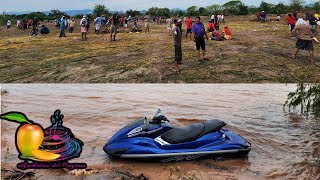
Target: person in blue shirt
{"type": "Point", "coordinates": [98, 23]}
{"type": "Point", "coordinates": [198, 34]}
{"type": "Point", "coordinates": [62, 27]}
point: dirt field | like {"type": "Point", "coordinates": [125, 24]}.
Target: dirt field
{"type": "Point", "coordinates": [259, 53]}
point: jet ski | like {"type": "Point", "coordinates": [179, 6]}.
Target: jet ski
{"type": "Point", "coordinates": [158, 140]}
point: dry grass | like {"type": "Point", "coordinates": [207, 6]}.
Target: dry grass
{"type": "Point", "coordinates": [259, 53]}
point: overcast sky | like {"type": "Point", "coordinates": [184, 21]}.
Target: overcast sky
{"type": "Point", "coordinates": [43, 5]}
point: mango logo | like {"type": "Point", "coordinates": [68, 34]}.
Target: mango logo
{"type": "Point", "coordinates": [29, 137]}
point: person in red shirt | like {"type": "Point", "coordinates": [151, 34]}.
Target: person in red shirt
{"type": "Point", "coordinates": [216, 36]}
{"type": "Point", "coordinates": [210, 27]}
{"type": "Point", "coordinates": [216, 25]}
{"type": "Point", "coordinates": [189, 23]}
{"type": "Point", "coordinates": [291, 21]}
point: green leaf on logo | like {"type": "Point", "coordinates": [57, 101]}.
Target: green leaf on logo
{"type": "Point", "coordinates": [17, 117]}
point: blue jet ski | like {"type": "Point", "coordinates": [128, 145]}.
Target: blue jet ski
{"type": "Point", "coordinates": [158, 140]}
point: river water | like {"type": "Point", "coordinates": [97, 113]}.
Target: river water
{"type": "Point", "coordinates": [284, 145]}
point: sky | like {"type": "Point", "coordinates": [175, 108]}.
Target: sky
{"type": "Point", "coordinates": [115, 5]}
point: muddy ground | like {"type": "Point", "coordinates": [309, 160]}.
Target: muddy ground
{"type": "Point", "coordinates": [259, 53]}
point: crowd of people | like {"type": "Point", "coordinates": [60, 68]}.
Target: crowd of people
{"type": "Point", "coordinates": [304, 30]}
{"type": "Point", "coordinates": [198, 33]}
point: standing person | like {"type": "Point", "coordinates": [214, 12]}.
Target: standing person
{"type": "Point", "coordinates": [84, 25]}
{"type": "Point", "coordinates": [62, 27]}
{"type": "Point", "coordinates": [198, 33]}
{"type": "Point", "coordinates": [35, 22]}
{"type": "Point", "coordinates": [291, 22]}
{"type": "Point", "coordinates": [88, 23]}
{"type": "Point", "coordinates": [216, 18]}
{"type": "Point", "coordinates": [189, 27]}
{"type": "Point", "coordinates": [169, 28]}
{"type": "Point", "coordinates": [18, 24]}
{"type": "Point", "coordinates": [160, 20]}
{"type": "Point", "coordinates": [316, 15]}
{"type": "Point", "coordinates": [29, 23]}
{"type": "Point", "coordinates": [8, 24]}
{"type": "Point", "coordinates": [278, 17]}
{"type": "Point", "coordinates": [212, 18]}
{"type": "Point", "coordinates": [72, 25]}
{"type": "Point", "coordinates": [305, 34]}
{"type": "Point", "coordinates": [25, 25]}
{"type": "Point", "coordinates": [295, 15]}
{"type": "Point", "coordinates": [222, 18]}
{"type": "Point", "coordinates": [56, 23]}
{"type": "Point", "coordinates": [146, 23]}
{"type": "Point", "coordinates": [153, 20]}
{"type": "Point", "coordinates": [313, 21]}
{"type": "Point", "coordinates": [179, 24]}
{"type": "Point", "coordinates": [98, 23]}
{"type": "Point", "coordinates": [258, 15]}
{"type": "Point", "coordinates": [177, 38]}
{"type": "Point", "coordinates": [114, 20]}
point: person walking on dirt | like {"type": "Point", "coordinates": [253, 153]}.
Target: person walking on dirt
{"type": "Point", "coordinates": [177, 38]}
{"type": "Point", "coordinates": [8, 24]}
{"type": "Point", "coordinates": [291, 22]}
{"type": "Point", "coordinates": [169, 27]}
{"type": "Point", "coordinates": [305, 35]}
{"type": "Point", "coordinates": [189, 23]}
{"type": "Point", "coordinates": [146, 23]}
{"type": "Point", "coordinates": [72, 25]}
{"type": "Point", "coordinates": [62, 27]}
{"type": "Point", "coordinates": [84, 25]}
{"type": "Point", "coordinates": [114, 20]}
{"type": "Point", "coordinates": [198, 33]}
{"type": "Point", "coordinates": [98, 23]}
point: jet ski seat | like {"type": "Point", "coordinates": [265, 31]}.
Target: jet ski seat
{"type": "Point", "coordinates": [191, 132]}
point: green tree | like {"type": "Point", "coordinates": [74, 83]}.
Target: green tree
{"type": "Point", "coordinates": [266, 7]}
{"type": "Point", "coordinates": [316, 6]}
{"type": "Point", "coordinates": [214, 9]}
{"type": "Point", "coordinates": [152, 11]}
{"type": "Point", "coordinates": [39, 15]}
{"type": "Point", "coordinates": [280, 8]}
{"type": "Point", "coordinates": [56, 14]}
{"type": "Point", "coordinates": [163, 12]}
{"type": "Point", "coordinates": [232, 7]}
{"type": "Point", "coordinates": [297, 5]}
{"type": "Point", "coordinates": [192, 11]}
{"type": "Point", "coordinates": [178, 13]}
{"type": "Point", "coordinates": [133, 13]}
{"type": "Point", "coordinates": [243, 10]}
{"type": "Point", "coordinates": [99, 10]}
{"type": "Point", "coordinates": [203, 11]}
{"type": "Point", "coordinates": [307, 97]}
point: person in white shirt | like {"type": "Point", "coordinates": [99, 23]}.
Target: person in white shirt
{"type": "Point", "coordinates": [18, 23]}
{"type": "Point", "coordinates": [8, 24]}
{"type": "Point", "coordinates": [212, 18]}
{"type": "Point", "coordinates": [222, 18]}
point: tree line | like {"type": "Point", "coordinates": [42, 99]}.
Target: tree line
{"type": "Point", "coordinates": [233, 7]}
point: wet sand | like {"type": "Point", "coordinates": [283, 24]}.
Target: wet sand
{"type": "Point", "coordinates": [284, 146]}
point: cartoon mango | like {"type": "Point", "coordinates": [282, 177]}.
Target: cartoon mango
{"type": "Point", "coordinates": [29, 136]}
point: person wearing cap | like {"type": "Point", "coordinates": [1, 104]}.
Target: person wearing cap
{"type": "Point", "coordinates": [84, 24]}
{"type": "Point", "coordinates": [177, 38]}
{"type": "Point", "coordinates": [198, 33]}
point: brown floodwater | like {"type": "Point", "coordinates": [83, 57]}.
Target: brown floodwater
{"type": "Point", "coordinates": [284, 145]}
